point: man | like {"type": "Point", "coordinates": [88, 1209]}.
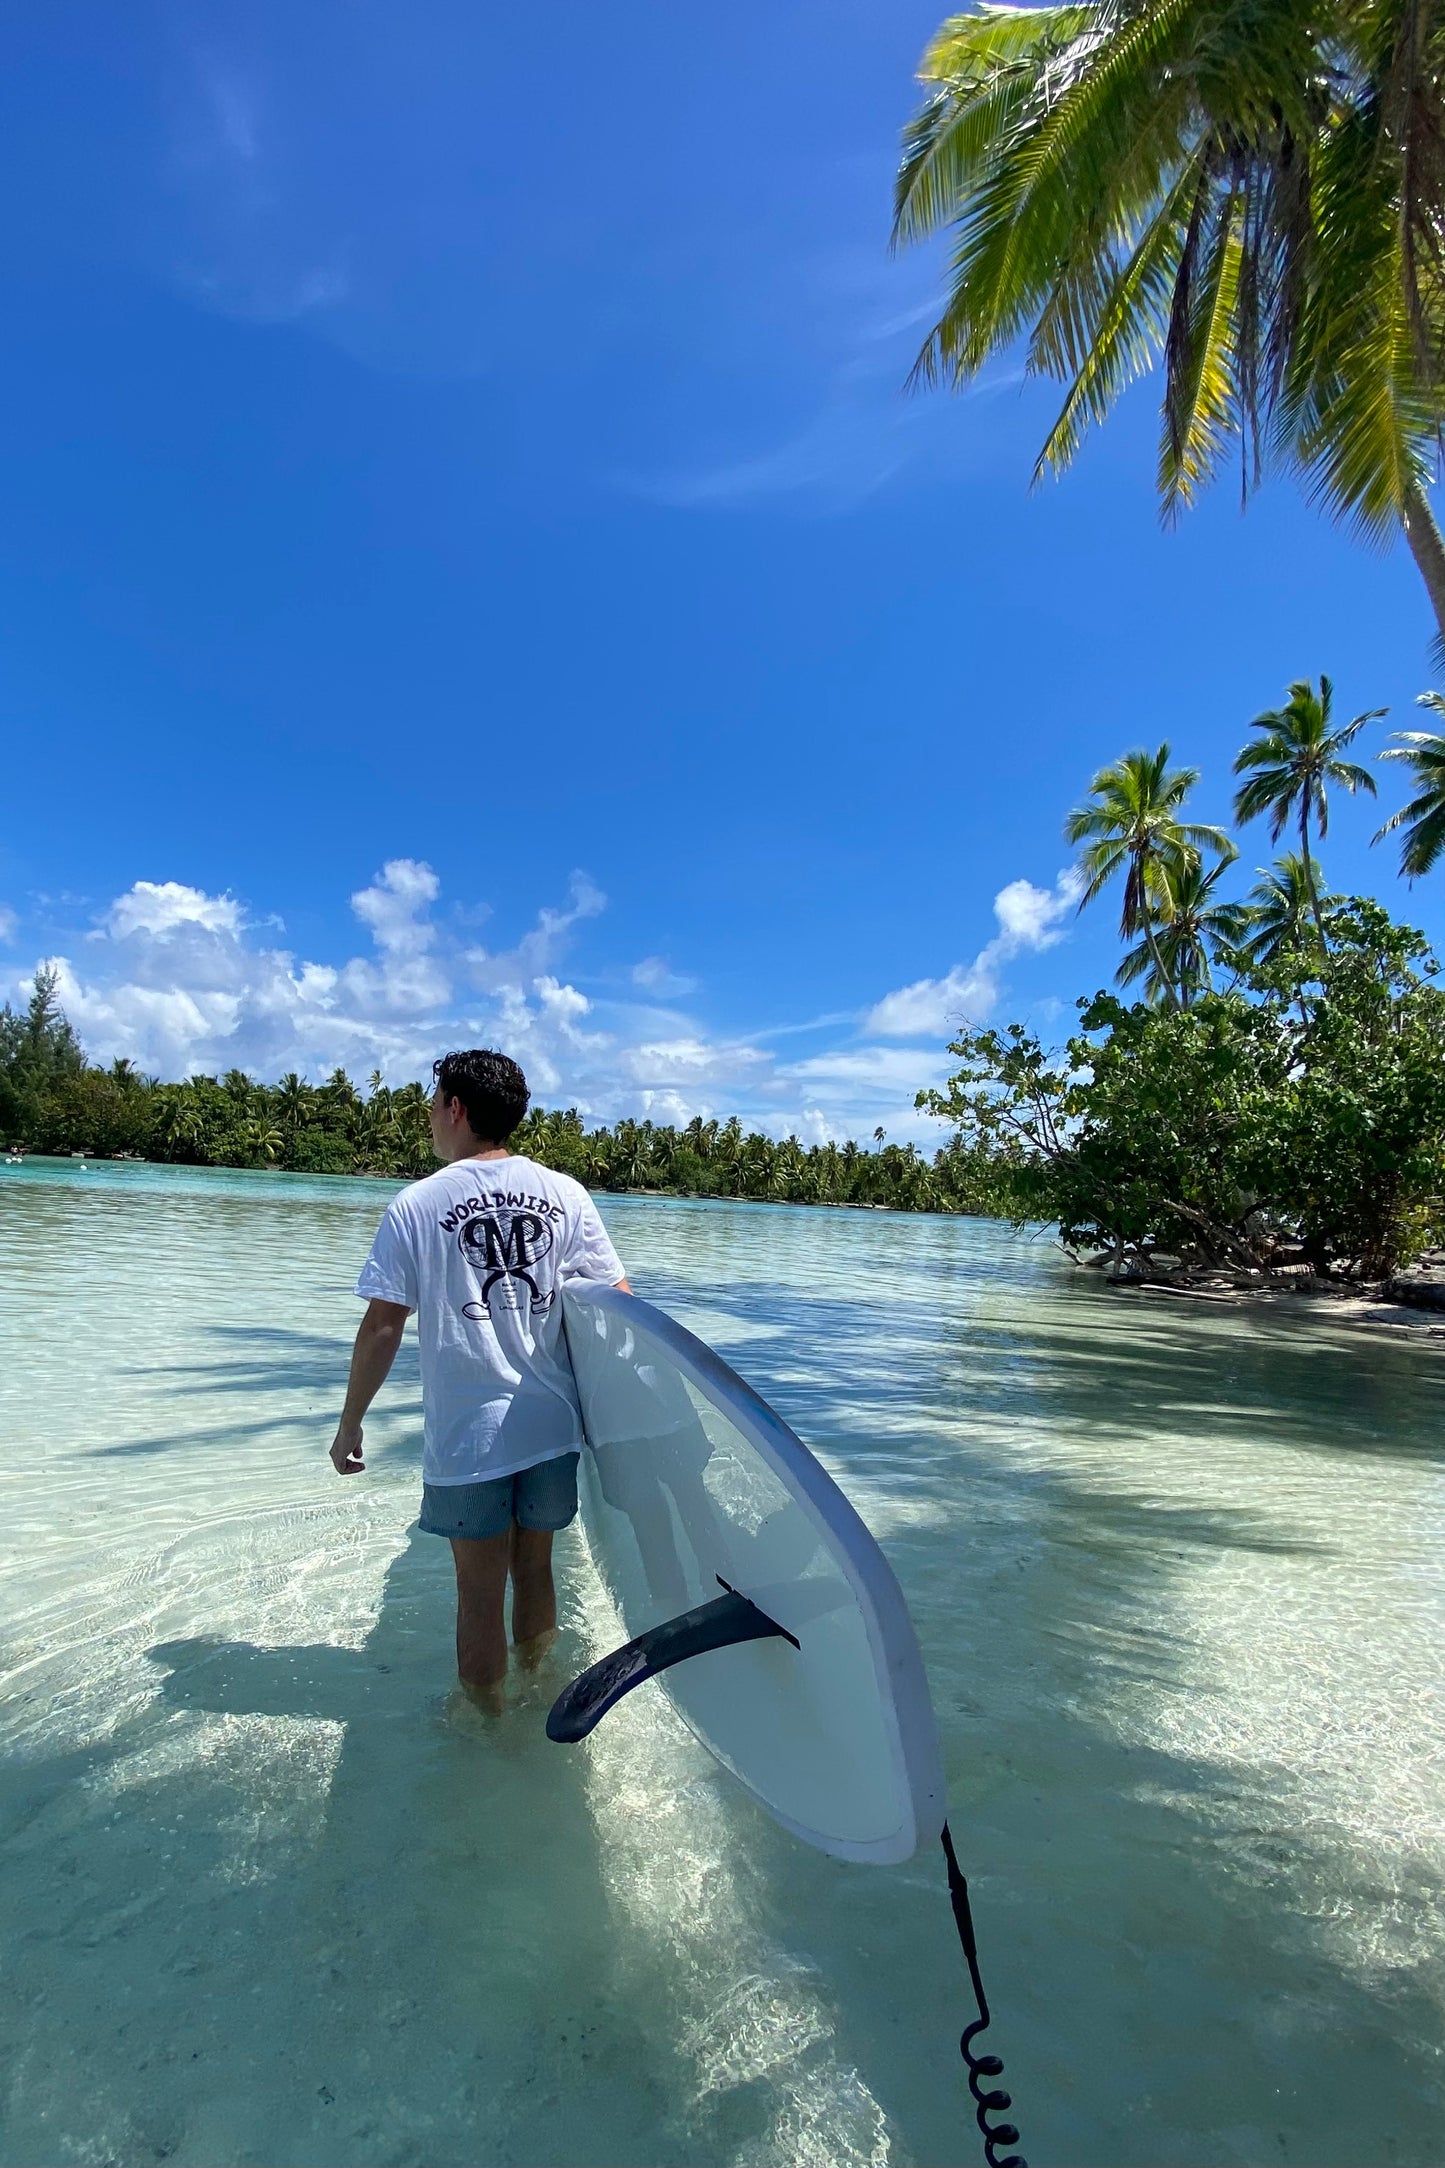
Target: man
{"type": "Point", "coordinates": [480, 1250]}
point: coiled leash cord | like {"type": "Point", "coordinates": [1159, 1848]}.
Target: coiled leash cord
{"type": "Point", "coordinates": [979, 2066]}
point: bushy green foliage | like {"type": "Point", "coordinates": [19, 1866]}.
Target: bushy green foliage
{"type": "Point", "coordinates": [38, 1054]}
{"type": "Point", "coordinates": [52, 1101]}
{"type": "Point", "coordinates": [1306, 1105]}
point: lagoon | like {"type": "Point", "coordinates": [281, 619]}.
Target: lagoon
{"type": "Point", "coordinates": [1179, 1581]}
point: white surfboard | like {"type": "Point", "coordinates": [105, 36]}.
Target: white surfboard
{"type": "Point", "coordinates": [692, 1486]}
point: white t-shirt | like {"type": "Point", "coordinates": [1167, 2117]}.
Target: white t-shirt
{"type": "Point", "coordinates": [480, 1250]}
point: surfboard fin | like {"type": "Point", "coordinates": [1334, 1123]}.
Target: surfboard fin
{"type": "Point", "coordinates": [716, 1625]}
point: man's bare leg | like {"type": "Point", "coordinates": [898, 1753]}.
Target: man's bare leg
{"type": "Point", "coordinates": [534, 1595]}
{"type": "Point", "coordinates": [481, 1564]}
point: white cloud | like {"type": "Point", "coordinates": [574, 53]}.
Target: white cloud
{"type": "Point", "coordinates": [494, 971]}
{"type": "Point", "coordinates": [930, 1007]}
{"type": "Point", "coordinates": [1029, 918]}
{"type": "Point", "coordinates": [163, 907]}
{"type": "Point", "coordinates": [394, 905]}
{"type": "Point", "coordinates": [408, 981]}
{"type": "Point", "coordinates": [8, 924]}
{"type": "Point", "coordinates": [895, 1066]}
{"type": "Point", "coordinates": [562, 1003]}
{"type": "Point", "coordinates": [695, 1061]}
{"type": "Point", "coordinates": [655, 975]}
{"type": "Point", "coordinates": [183, 981]}
{"type": "Point", "coordinates": [814, 1127]}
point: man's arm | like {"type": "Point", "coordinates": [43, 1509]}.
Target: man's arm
{"type": "Point", "coordinates": [377, 1340]}
{"type": "Point", "coordinates": [625, 1285]}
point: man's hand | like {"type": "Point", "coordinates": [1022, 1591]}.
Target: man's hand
{"type": "Point", "coordinates": [377, 1341]}
{"type": "Point", "coordinates": [346, 1450]}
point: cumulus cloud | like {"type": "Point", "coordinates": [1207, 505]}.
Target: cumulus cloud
{"type": "Point", "coordinates": [395, 905]}
{"type": "Point", "coordinates": [184, 981]}
{"type": "Point", "coordinates": [407, 979]}
{"type": "Point", "coordinates": [180, 981]}
{"type": "Point", "coordinates": [1029, 918]}
{"type": "Point", "coordinates": [165, 907]}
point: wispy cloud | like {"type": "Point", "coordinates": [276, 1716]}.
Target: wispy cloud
{"type": "Point", "coordinates": [861, 430]}
{"type": "Point", "coordinates": [247, 249]}
{"type": "Point", "coordinates": [655, 975]}
{"type": "Point", "coordinates": [497, 970]}
{"type": "Point", "coordinates": [1028, 918]}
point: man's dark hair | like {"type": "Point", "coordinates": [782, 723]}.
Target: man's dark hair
{"type": "Point", "coordinates": [489, 1085]}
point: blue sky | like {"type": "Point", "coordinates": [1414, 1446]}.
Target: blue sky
{"type": "Point", "coordinates": [470, 568]}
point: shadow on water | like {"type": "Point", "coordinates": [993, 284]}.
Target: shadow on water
{"type": "Point", "coordinates": [286, 1913]}
{"type": "Point", "coordinates": [1087, 1361]}
{"type": "Point", "coordinates": [1189, 1960]}
{"type": "Point", "coordinates": [1169, 1945]}
{"type": "Point", "coordinates": [282, 1368]}
{"type": "Point", "coordinates": [220, 1956]}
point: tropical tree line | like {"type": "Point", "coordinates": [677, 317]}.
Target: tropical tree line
{"type": "Point", "coordinates": [53, 1100]}
{"type": "Point", "coordinates": [1277, 1097]}
{"type": "Point", "coordinates": [1179, 925]}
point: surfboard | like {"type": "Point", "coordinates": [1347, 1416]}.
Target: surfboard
{"type": "Point", "coordinates": [753, 1591]}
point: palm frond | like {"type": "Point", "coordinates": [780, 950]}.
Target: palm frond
{"type": "Point", "coordinates": [1201, 387]}
{"type": "Point", "coordinates": [1109, 345]}
{"type": "Point", "coordinates": [1423, 818]}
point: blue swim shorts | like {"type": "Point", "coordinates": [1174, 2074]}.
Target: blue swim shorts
{"type": "Point", "coordinates": [541, 1497]}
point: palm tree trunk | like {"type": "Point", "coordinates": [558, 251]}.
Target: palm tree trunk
{"type": "Point", "coordinates": [1304, 840]}
{"type": "Point", "coordinates": [1164, 979]}
{"type": "Point", "coordinates": [1427, 547]}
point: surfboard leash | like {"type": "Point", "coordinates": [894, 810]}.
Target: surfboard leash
{"type": "Point", "coordinates": [995, 2099]}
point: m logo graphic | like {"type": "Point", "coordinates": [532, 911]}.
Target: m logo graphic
{"type": "Point", "coordinates": [504, 1245]}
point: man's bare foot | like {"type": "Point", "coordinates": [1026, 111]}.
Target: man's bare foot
{"type": "Point", "coordinates": [531, 1655]}
{"type": "Point", "coordinates": [491, 1700]}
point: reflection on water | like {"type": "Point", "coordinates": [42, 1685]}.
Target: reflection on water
{"type": "Point", "coordinates": [1178, 1580]}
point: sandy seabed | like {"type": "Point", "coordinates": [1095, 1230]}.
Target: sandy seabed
{"type": "Point", "coordinates": [1178, 1576]}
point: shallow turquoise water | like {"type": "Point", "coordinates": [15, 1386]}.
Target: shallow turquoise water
{"type": "Point", "coordinates": [1179, 1582]}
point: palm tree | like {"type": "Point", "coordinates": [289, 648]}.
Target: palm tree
{"type": "Point", "coordinates": [180, 1128]}
{"type": "Point", "coordinates": [1279, 911]}
{"type": "Point", "coordinates": [1192, 924]}
{"type": "Point", "coordinates": [1424, 817]}
{"type": "Point", "coordinates": [1253, 196]}
{"type": "Point", "coordinates": [1133, 827]}
{"type": "Point", "coordinates": [262, 1140]}
{"type": "Point", "coordinates": [293, 1101]}
{"type": "Point", "coordinates": [1295, 756]}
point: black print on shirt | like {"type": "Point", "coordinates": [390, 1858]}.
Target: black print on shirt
{"type": "Point", "coordinates": [502, 1246]}
{"type": "Point", "coordinates": [503, 1201]}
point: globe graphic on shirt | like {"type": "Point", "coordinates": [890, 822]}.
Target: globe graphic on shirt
{"type": "Point", "coordinates": [504, 1244]}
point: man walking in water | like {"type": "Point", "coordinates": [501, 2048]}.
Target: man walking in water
{"type": "Point", "coordinates": [481, 1250]}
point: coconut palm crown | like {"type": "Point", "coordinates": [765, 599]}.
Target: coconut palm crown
{"type": "Point", "coordinates": [1252, 191]}
{"type": "Point", "coordinates": [1193, 926]}
{"type": "Point", "coordinates": [1423, 819]}
{"type": "Point", "coordinates": [1132, 826]}
{"type": "Point", "coordinates": [1279, 910]}
{"type": "Point", "coordinates": [1291, 764]}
